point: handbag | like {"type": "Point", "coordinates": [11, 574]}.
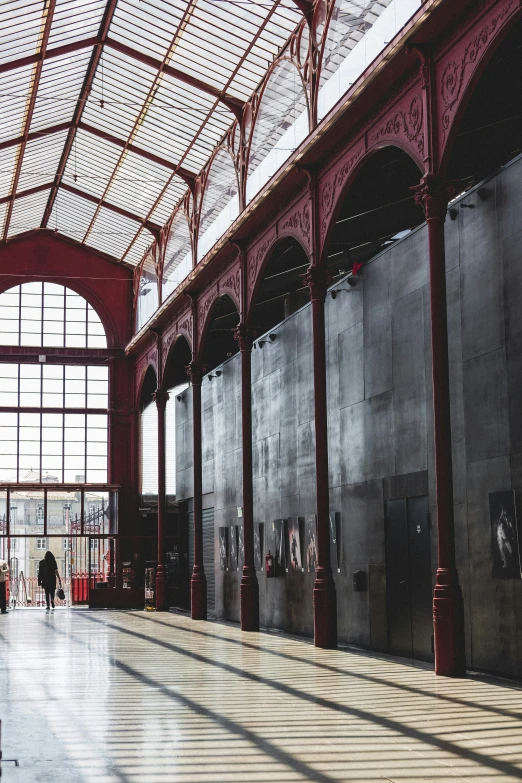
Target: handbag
{"type": "Point", "coordinates": [60, 593]}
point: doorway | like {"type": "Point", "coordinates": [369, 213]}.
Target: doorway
{"type": "Point", "coordinates": [408, 578]}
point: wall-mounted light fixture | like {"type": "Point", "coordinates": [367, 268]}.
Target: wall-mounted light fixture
{"type": "Point", "coordinates": [484, 194]}
{"type": "Point", "coordinates": [179, 397]}
{"type": "Point", "coordinates": [467, 206]}
{"type": "Point", "coordinates": [217, 373]}
{"type": "Point", "coordinates": [272, 337]}
{"type": "Point", "coordinates": [335, 291]}
{"type": "Point", "coordinates": [453, 213]}
{"type": "Point", "coordinates": [210, 376]}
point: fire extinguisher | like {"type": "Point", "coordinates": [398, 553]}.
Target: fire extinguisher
{"type": "Point", "coordinates": [269, 564]}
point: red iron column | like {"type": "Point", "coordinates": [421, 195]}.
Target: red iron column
{"type": "Point", "coordinates": [198, 583]}
{"type": "Point", "coordinates": [325, 599]}
{"type": "Point", "coordinates": [161, 397]}
{"type": "Point", "coordinates": [249, 595]}
{"type": "Point", "coordinates": [448, 608]}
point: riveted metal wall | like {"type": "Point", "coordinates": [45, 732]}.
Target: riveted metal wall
{"type": "Point", "coordinates": [208, 555]}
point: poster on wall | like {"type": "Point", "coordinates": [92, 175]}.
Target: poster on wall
{"type": "Point", "coordinates": [223, 548]}
{"type": "Point", "coordinates": [335, 540]}
{"type": "Point", "coordinates": [505, 547]}
{"type": "Point", "coordinates": [311, 543]}
{"type": "Point", "coordinates": [232, 549]}
{"type": "Point", "coordinates": [258, 546]}
{"type": "Point", "coordinates": [279, 546]}
{"type": "Point", "coordinates": [295, 560]}
{"type": "Point", "coordinates": [240, 546]}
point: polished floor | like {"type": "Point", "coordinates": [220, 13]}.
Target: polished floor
{"type": "Point", "coordinates": [129, 697]}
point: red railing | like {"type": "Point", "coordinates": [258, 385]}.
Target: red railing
{"type": "Point", "coordinates": [26, 592]}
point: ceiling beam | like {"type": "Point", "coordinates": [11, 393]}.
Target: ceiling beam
{"type": "Point", "coordinates": [188, 176]}
{"type": "Point", "coordinates": [35, 135]}
{"type": "Point", "coordinates": [233, 104]}
{"type": "Point", "coordinates": [108, 14]}
{"type": "Point", "coordinates": [154, 228]}
{"type": "Point", "coordinates": [306, 7]}
{"type": "Point", "coordinates": [47, 20]}
{"type": "Point", "coordinates": [57, 51]}
{"type": "Point", "coordinates": [28, 192]}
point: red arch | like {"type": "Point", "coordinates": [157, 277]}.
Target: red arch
{"type": "Point", "coordinates": [263, 263]}
{"type": "Point", "coordinates": [477, 51]}
{"type": "Point", "coordinates": [177, 335]}
{"type": "Point", "coordinates": [208, 319]}
{"type": "Point", "coordinates": [359, 162]}
{"type": "Point", "coordinates": [141, 380]}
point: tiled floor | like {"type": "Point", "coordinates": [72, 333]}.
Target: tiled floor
{"type": "Point", "coordinates": [114, 697]}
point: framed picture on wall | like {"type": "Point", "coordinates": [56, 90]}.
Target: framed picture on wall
{"type": "Point", "coordinates": [335, 540]}
{"type": "Point", "coordinates": [295, 560]}
{"type": "Point", "coordinates": [505, 542]}
{"type": "Point", "coordinates": [279, 546]}
{"type": "Point", "coordinates": [232, 549]}
{"type": "Point", "coordinates": [223, 548]}
{"type": "Point", "coordinates": [311, 543]}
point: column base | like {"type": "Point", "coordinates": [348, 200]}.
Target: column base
{"type": "Point", "coordinates": [161, 589]}
{"type": "Point", "coordinates": [325, 610]}
{"type": "Point", "coordinates": [249, 593]}
{"type": "Point", "coordinates": [198, 594]}
{"type": "Point", "coordinates": [448, 625]}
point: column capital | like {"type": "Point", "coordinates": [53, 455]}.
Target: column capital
{"type": "Point", "coordinates": [244, 336]}
{"type": "Point", "coordinates": [433, 195]}
{"type": "Point", "coordinates": [195, 373]}
{"type": "Point", "coordinates": [317, 280]}
{"type": "Point", "coordinates": [161, 397]}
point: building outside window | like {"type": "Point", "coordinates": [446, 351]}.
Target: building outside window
{"type": "Point", "coordinates": [65, 544]}
{"type": "Point", "coordinates": [40, 513]}
{"type": "Point", "coordinates": [41, 543]}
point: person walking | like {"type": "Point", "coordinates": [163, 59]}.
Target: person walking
{"type": "Point", "coordinates": [47, 576]}
{"type": "Point", "coordinates": [4, 570]}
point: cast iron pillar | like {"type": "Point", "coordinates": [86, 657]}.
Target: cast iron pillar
{"type": "Point", "coordinates": [325, 599]}
{"type": "Point", "coordinates": [198, 582]}
{"type": "Point", "coordinates": [448, 608]}
{"type": "Point", "coordinates": [249, 594]}
{"type": "Point", "coordinates": [161, 397]}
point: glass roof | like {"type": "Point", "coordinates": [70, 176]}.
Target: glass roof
{"type": "Point", "coordinates": [101, 101]}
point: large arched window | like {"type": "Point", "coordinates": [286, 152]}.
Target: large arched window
{"type": "Point", "coordinates": [53, 416]}
{"type": "Point", "coordinates": [220, 205]}
{"type": "Point", "coordinates": [280, 127]}
{"type": "Point", "coordinates": [49, 315]}
{"type": "Point", "coordinates": [357, 33]}
{"type": "Point", "coordinates": [178, 254]}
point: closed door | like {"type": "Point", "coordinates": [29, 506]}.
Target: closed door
{"type": "Point", "coordinates": [408, 578]}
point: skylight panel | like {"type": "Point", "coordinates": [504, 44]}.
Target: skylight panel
{"type": "Point", "coordinates": [112, 233]}
{"type": "Point", "coordinates": [71, 214]}
{"type": "Point", "coordinates": [41, 160]}
{"type": "Point", "coordinates": [14, 92]}
{"type": "Point", "coordinates": [91, 163]}
{"type": "Point", "coordinates": [120, 88]}
{"type": "Point", "coordinates": [136, 251]}
{"type": "Point", "coordinates": [28, 212]}
{"type": "Point", "coordinates": [137, 184]}
{"type": "Point", "coordinates": [60, 85]}
{"type": "Point", "coordinates": [20, 23]}
{"type": "Point", "coordinates": [148, 27]}
{"type": "Point", "coordinates": [7, 161]}
{"type": "Point", "coordinates": [168, 201]}
{"type": "Point", "coordinates": [74, 20]}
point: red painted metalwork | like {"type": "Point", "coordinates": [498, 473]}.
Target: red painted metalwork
{"type": "Point", "coordinates": [448, 607]}
{"type": "Point", "coordinates": [49, 15]}
{"type": "Point", "coordinates": [249, 590]}
{"type": "Point", "coordinates": [198, 583]}
{"type": "Point", "coordinates": [161, 397]}
{"type": "Point", "coordinates": [49, 54]}
{"type": "Point", "coordinates": [110, 9]}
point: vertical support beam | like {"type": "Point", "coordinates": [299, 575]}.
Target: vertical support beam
{"type": "Point", "coordinates": [249, 595]}
{"type": "Point", "coordinates": [161, 397]}
{"type": "Point", "coordinates": [198, 583]}
{"type": "Point", "coordinates": [325, 599]}
{"type": "Point", "coordinates": [448, 609]}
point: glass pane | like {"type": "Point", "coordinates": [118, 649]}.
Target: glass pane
{"type": "Point", "coordinates": [9, 385]}
{"type": "Point", "coordinates": [97, 512]}
{"type": "Point", "coordinates": [3, 514]}
{"type": "Point", "coordinates": [27, 512]}
{"type": "Point", "coordinates": [63, 511]}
